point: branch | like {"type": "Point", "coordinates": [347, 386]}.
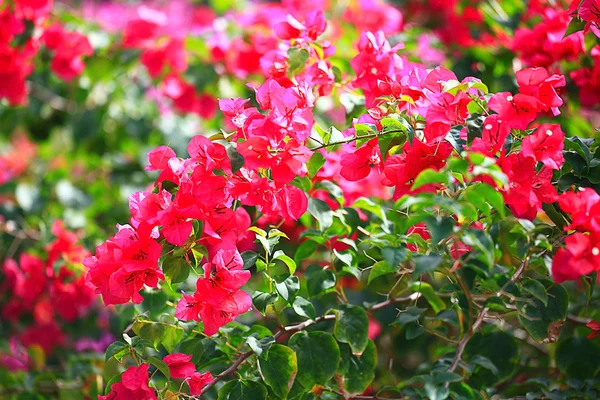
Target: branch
{"type": "Point", "coordinates": [293, 329]}
{"type": "Point", "coordinates": [355, 138]}
{"type": "Point", "coordinates": [481, 316]}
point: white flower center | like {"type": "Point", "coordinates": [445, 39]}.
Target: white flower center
{"type": "Point", "coordinates": [488, 127]}
{"type": "Point", "coordinates": [595, 251]}
{"type": "Point", "coordinates": [549, 132]}
{"type": "Point", "coordinates": [509, 98]}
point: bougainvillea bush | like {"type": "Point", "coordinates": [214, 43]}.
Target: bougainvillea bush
{"type": "Point", "coordinates": [299, 200]}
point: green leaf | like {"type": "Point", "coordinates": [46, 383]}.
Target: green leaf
{"type": "Point", "coordinates": [261, 300]}
{"type": "Point", "coordinates": [352, 327]}
{"type": "Point", "coordinates": [358, 370]}
{"type": "Point", "coordinates": [536, 289]}
{"type": "Point", "coordinates": [436, 303]}
{"type": "Point", "coordinates": [118, 350]}
{"type": "Point", "coordinates": [411, 314]}
{"type": "Point", "coordinates": [344, 256]}
{"type": "Point", "coordinates": [380, 268]}
{"type": "Point", "coordinates": [193, 347]}
{"type": "Point", "coordinates": [149, 330]}
{"type": "Point", "coordinates": [260, 345]}
{"type": "Point", "coordinates": [288, 288]}
{"type": "Point", "coordinates": [304, 308]}
{"type": "Point", "coordinates": [485, 198]}
{"type": "Point", "coordinates": [475, 123]}
{"type": "Point", "coordinates": [425, 264]}
{"type": "Point", "coordinates": [537, 317]}
{"type": "Point", "coordinates": [249, 258]}
{"type": "Point", "coordinates": [171, 337]}
{"type": "Point", "coordinates": [278, 369]}
{"type": "Point", "coordinates": [496, 357]}
{"type": "Point", "coordinates": [155, 302]}
{"type": "Point", "coordinates": [305, 250]}
{"type": "Point", "coordinates": [176, 269]}
{"type": "Point", "coordinates": [577, 358]}
{"type": "Point", "coordinates": [236, 159]}
{"type": "Point", "coordinates": [394, 134]}
{"type": "Point", "coordinates": [321, 212]}
{"type": "Point", "coordinates": [318, 357]}
{"type": "Point", "coordinates": [440, 227]}
{"type": "Point", "coordinates": [160, 365]}
{"type": "Point", "coordinates": [296, 60]}
{"type": "Point", "coordinates": [318, 279]}
{"type": "Point", "coordinates": [576, 25]}
{"type": "Point", "coordinates": [287, 260]}
{"type": "Point", "coordinates": [429, 176]}
{"type": "Point", "coordinates": [394, 255]}
{"type": "Point", "coordinates": [243, 390]}
{"type": "Point", "coordinates": [314, 164]}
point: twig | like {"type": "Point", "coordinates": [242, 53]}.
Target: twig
{"type": "Point", "coordinates": [355, 138]}
{"type": "Point", "coordinates": [292, 329]}
{"type": "Point", "coordinates": [480, 317]}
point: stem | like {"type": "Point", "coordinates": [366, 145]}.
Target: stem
{"type": "Point", "coordinates": [481, 316]}
{"type": "Point", "coordinates": [355, 138]}
{"type": "Point", "coordinates": [293, 329]}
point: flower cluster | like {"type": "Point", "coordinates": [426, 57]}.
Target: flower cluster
{"type": "Point", "coordinates": [46, 290]}
{"type": "Point", "coordinates": [582, 253]}
{"type": "Point", "coordinates": [18, 47]}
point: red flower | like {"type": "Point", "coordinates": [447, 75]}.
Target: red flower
{"type": "Point", "coordinates": [69, 48]}
{"type": "Point", "coordinates": [180, 365]}
{"type": "Point", "coordinates": [33, 9]}
{"type": "Point", "coordinates": [580, 257]}
{"type": "Point", "coordinates": [357, 165]}
{"type": "Point", "coordinates": [518, 110]}
{"type": "Point", "coordinates": [133, 386]}
{"type": "Point", "coordinates": [595, 327]}
{"type": "Point", "coordinates": [124, 264]}
{"type": "Point", "coordinates": [197, 381]}
{"type": "Point", "coordinates": [545, 145]}
{"type": "Point", "coordinates": [538, 83]}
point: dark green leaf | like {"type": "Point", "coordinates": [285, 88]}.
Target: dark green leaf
{"type": "Point", "coordinates": [577, 358]}
{"type": "Point", "coordinates": [304, 308]}
{"type": "Point", "coordinates": [352, 327]}
{"type": "Point", "coordinates": [537, 317]}
{"type": "Point", "coordinates": [288, 288]}
{"type": "Point", "coordinates": [358, 370]}
{"type": "Point", "coordinates": [117, 350]}
{"type": "Point", "coordinates": [176, 269]}
{"type": "Point", "coordinates": [318, 357]}
{"type": "Point", "coordinates": [321, 212]}
{"type": "Point", "coordinates": [160, 365]}
{"type": "Point", "coordinates": [536, 289]}
{"type": "Point", "coordinates": [318, 279]}
{"type": "Point", "coordinates": [236, 159]}
{"type": "Point", "coordinates": [394, 255]}
{"type": "Point", "coordinates": [249, 258]}
{"type": "Point", "coordinates": [261, 300]}
{"type": "Point", "coordinates": [278, 369]}
{"type": "Point", "coordinates": [380, 268]}
{"type": "Point", "coordinates": [425, 264]}
{"type": "Point", "coordinates": [243, 390]}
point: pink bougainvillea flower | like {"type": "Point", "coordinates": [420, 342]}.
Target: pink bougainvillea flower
{"type": "Point", "coordinates": [595, 327]}
{"type": "Point", "coordinates": [197, 381]}
{"type": "Point", "coordinates": [133, 385]}
{"type": "Point", "coordinates": [581, 256]}
{"type": "Point", "coordinates": [180, 365]}
{"type": "Point", "coordinates": [546, 145]}
{"type": "Point", "coordinates": [536, 82]}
